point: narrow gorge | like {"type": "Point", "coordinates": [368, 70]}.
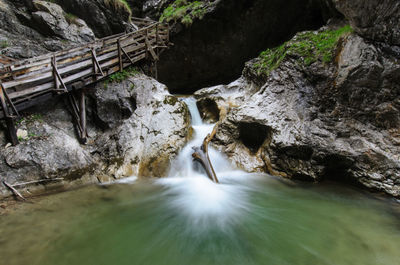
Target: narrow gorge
{"type": "Point", "coordinates": [297, 102]}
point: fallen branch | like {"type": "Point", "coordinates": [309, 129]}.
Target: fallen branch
{"type": "Point", "coordinates": [14, 191]}
{"type": "Point", "coordinates": [200, 154]}
{"type": "Point", "coordinates": [36, 181]}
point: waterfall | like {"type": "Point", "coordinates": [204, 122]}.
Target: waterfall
{"type": "Point", "coordinates": [184, 166]}
{"type": "Point", "coordinates": [193, 193]}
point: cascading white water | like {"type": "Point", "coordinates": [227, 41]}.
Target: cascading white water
{"type": "Point", "coordinates": [183, 166]}
{"type": "Point", "coordinates": [193, 192]}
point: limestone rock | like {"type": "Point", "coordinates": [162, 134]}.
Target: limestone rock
{"type": "Point", "coordinates": [135, 139]}
{"type": "Point", "coordinates": [103, 18]}
{"type": "Point", "coordinates": [52, 19]}
{"type": "Point", "coordinates": [336, 121]}
{"type": "Point", "coordinates": [375, 20]}
{"type": "Point", "coordinates": [153, 133]}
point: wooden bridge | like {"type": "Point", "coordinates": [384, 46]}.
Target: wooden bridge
{"type": "Point", "coordinates": [29, 82]}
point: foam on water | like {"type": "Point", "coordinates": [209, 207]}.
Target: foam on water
{"type": "Point", "coordinates": [193, 193]}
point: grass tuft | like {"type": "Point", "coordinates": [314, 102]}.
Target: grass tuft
{"type": "Point", "coordinates": [306, 47]}
{"type": "Point", "coordinates": [118, 77]}
{"type": "Point", "coordinates": [184, 11]}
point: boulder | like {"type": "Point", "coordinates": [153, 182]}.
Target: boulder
{"type": "Point", "coordinates": [50, 19]}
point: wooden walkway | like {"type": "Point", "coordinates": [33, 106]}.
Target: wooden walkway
{"type": "Point", "coordinates": [29, 82]}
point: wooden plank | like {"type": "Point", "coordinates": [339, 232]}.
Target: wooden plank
{"type": "Point", "coordinates": [66, 70]}
{"type": "Point", "coordinates": [82, 108]}
{"type": "Point", "coordinates": [68, 79]}
{"type": "Point", "coordinates": [12, 132]}
{"type": "Point", "coordinates": [57, 77]}
{"type": "Point", "coordinates": [121, 66]}
{"type": "Point", "coordinates": [96, 65]}
{"type": "Point", "coordinates": [151, 50]}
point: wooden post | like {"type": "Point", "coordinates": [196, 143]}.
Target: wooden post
{"type": "Point", "coordinates": [54, 65]}
{"type": "Point", "coordinates": [121, 65]}
{"type": "Point", "coordinates": [157, 54]}
{"type": "Point", "coordinates": [82, 107]}
{"type": "Point", "coordinates": [12, 132]}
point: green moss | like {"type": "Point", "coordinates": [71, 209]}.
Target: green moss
{"type": "Point", "coordinates": [3, 44]}
{"type": "Point", "coordinates": [71, 18]}
{"type": "Point", "coordinates": [171, 100]}
{"type": "Point", "coordinates": [306, 47]}
{"type": "Point", "coordinates": [118, 77]}
{"type": "Point", "coordinates": [184, 11]}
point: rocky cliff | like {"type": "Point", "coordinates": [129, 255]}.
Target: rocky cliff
{"type": "Point", "coordinates": [322, 105]}
{"type": "Point", "coordinates": [30, 28]}
{"type": "Point", "coordinates": [135, 128]}
{"type": "Point", "coordinates": [313, 105]}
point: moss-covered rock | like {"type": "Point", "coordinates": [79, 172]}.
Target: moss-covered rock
{"type": "Point", "coordinates": [306, 48]}
{"type": "Point", "coordinates": [185, 11]}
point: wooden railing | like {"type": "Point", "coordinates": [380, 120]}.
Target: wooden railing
{"type": "Point", "coordinates": [27, 82]}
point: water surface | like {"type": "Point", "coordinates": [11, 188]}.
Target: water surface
{"type": "Point", "coordinates": [187, 219]}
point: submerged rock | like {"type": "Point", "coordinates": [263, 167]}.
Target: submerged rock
{"type": "Point", "coordinates": [140, 134]}
{"type": "Point", "coordinates": [310, 119]}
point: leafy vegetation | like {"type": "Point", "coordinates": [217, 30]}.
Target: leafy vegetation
{"type": "Point", "coordinates": [306, 47]}
{"type": "Point", "coordinates": [30, 119]}
{"type": "Point", "coordinates": [118, 77]}
{"type": "Point", "coordinates": [3, 44]}
{"type": "Point", "coordinates": [184, 11]}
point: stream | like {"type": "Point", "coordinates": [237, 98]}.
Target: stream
{"type": "Point", "coordinates": [185, 219]}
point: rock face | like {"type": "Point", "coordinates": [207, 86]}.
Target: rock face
{"type": "Point", "coordinates": [337, 120]}
{"type": "Point", "coordinates": [18, 39]}
{"type": "Point", "coordinates": [52, 19]}
{"type": "Point", "coordinates": [104, 17]}
{"type": "Point", "coordinates": [213, 50]}
{"type": "Point", "coordinates": [375, 20]}
{"type": "Point", "coordinates": [30, 28]}
{"type": "Point", "coordinates": [138, 136]}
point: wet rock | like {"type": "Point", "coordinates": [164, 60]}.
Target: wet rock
{"type": "Point", "coordinates": [153, 134]}
{"type": "Point", "coordinates": [310, 122]}
{"type": "Point", "coordinates": [134, 139]}
{"type": "Point", "coordinates": [375, 20]}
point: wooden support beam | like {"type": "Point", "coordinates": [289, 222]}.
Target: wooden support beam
{"type": "Point", "coordinates": [57, 77]}
{"type": "Point", "coordinates": [121, 66]}
{"type": "Point", "coordinates": [151, 50]}
{"type": "Point", "coordinates": [96, 65]}
{"type": "Point", "coordinates": [12, 132]}
{"type": "Point", "coordinates": [82, 108]}
{"type": "Point", "coordinates": [127, 55]}
{"type": "Point", "coordinates": [9, 100]}
{"type": "Point", "coordinates": [79, 114]}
